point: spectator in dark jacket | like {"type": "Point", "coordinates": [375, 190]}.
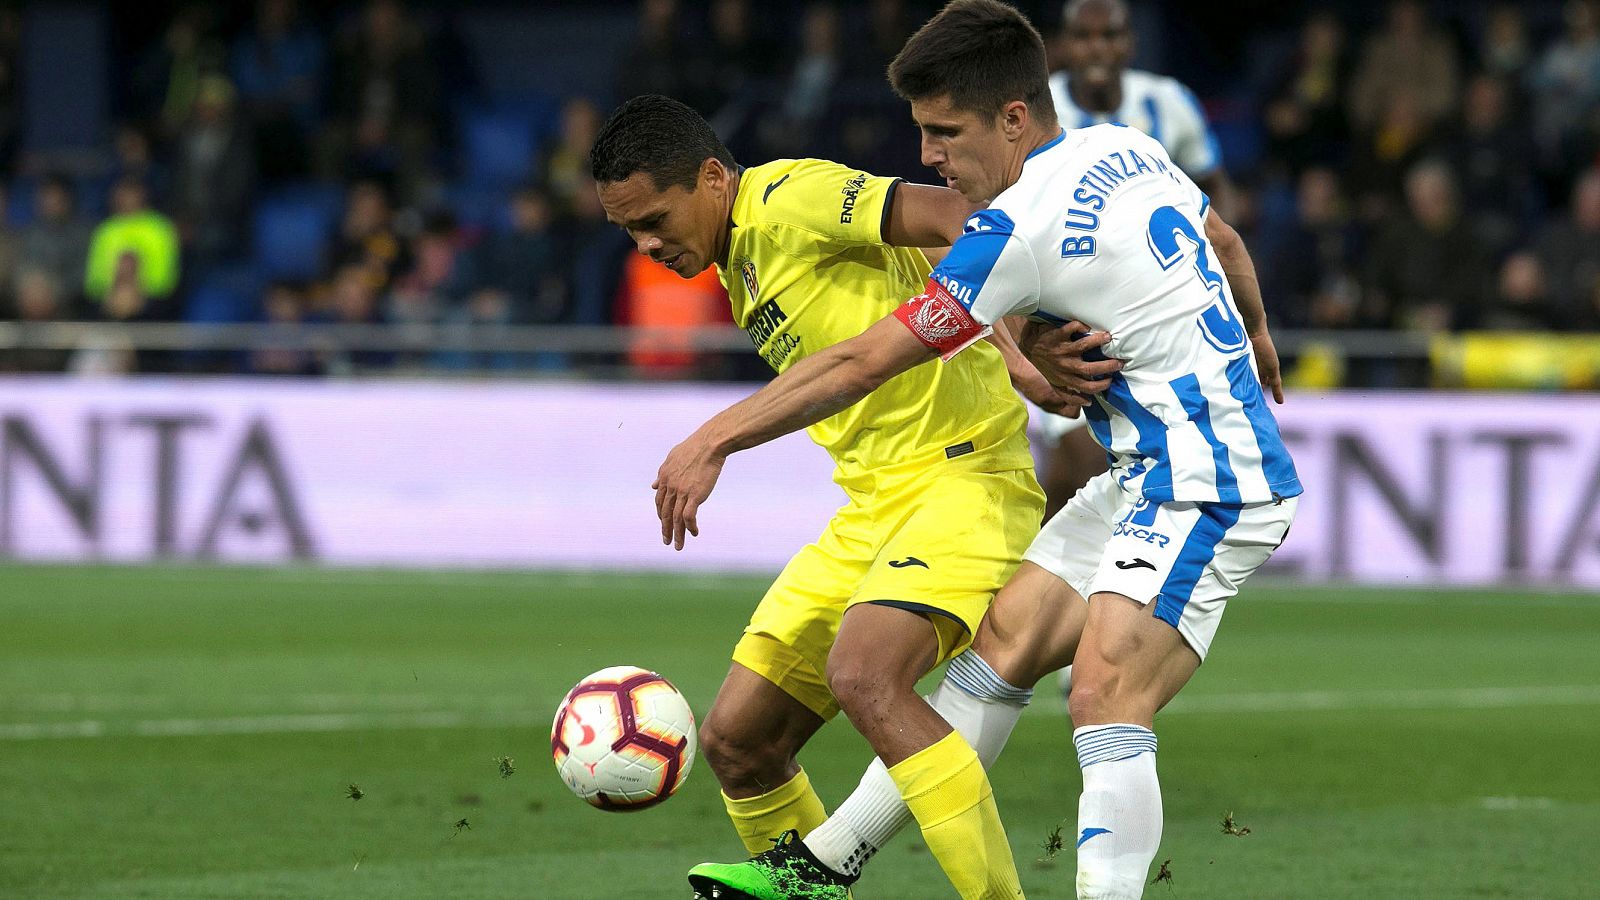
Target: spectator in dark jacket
{"type": "Point", "coordinates": [367, 236]}
{"type": "Point", "coordinates": [39, 298]}
{"type": "Point", "coordinates": [1310, 268]}
{"type": "Point", "coordinates": [213, 175]}
{"type": "Point", "coordinates": [1494, 157]}
{"type": "Point", "coordinates": [1429, 272]}
{"type": "Point", "coordinates": [278, 66]}
{"type": "Point", "coordinates": [1521, 301]}
{"type": "Point", "coordinates": [58, 240]}
{"type": "Point", "coordinates": [1569, 248]}
{"type": "Point", "coordinates": [385, 99]}
{"type": "Point", "coordinates": [654, 62]}
{"type": "Point", "coordinates": [519, 279]}
{"type": "Point", "coordinates": [1305, 119]}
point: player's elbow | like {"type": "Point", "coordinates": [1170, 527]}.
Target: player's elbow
{"type": "Point", "coordinates": [1222, 236]}
{"type": "Point", "coordinates": [879, 365]}
{"type": "Point", "coordinates": [1231, 252]}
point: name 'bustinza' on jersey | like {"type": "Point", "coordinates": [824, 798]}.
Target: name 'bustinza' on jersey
{"type": "Point", "coordinates": [1103, 228]}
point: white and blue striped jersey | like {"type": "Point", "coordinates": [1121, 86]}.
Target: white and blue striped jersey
{"type": "Point", "coordinates": [1159, 106]}
{"type": "Point", "coordinates": [1103, 228]}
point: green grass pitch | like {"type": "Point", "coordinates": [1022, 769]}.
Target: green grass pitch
{"type": "Point", "coordinates": [191, 732]}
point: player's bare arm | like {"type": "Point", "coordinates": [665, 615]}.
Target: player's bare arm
{"type": "Point", "coordinates": [1241, 274]}
{"type": "Point", "coordinates": [922, 215]}
{"type": "Point", "coordinates": [1219, 187]}
{"type": "Point", "coordinates": [816, 387]}
{"type": "Point", "coordinates": [1027, 378]}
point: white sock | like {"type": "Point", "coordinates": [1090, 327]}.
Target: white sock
{"type": "Point", "coordinates": [1119, 815]}
{"type": "Point", "coordinates": [862, 824]}
{"type": "Point", "coordinates": [977, 703]}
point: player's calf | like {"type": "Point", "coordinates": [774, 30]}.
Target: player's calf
{"type": "Point", "coordinates": [753, 732]}
{"type": "Point", "coordinates": [742, 763]}
{"type": "Point", "coordinates": [1128, 665]}
{"type": "Point", "coordinates": [750, 739]}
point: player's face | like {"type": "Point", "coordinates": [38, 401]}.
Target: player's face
{"type": "Point", "coordinates": [677, 227]}
{"type": "Point", "coordinates": [1098, 44]}
{"type": "Point", "coordinates": [968, 150]}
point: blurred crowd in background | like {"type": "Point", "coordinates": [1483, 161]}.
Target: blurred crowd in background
{"type": "Point", "coordinates": [1406, 166]}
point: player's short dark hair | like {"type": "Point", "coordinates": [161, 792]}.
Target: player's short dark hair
{"type": "Point", "coordinates": [982, 54]}
{"type": "Point", "coordinates": [658, 136]}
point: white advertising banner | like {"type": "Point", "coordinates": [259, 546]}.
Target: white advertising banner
{"type": "Point", "coordinates": [1402, 488]}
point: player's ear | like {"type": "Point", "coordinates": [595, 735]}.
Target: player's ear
{"type": "Point", "coordinates": [1014, 119]}
{"type": "Point", "coordinates": [714, 175]}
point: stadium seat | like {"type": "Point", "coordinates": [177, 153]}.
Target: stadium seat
{"type": "Point", "coordinates": [498, 148]}
{"type": "Point", "coordinates": [229, 294]}
{"type": "Point", "coordinates": [292, 229]}
{"type": "Point", "coordinates": [19, 202]}
{"type": "Point", "coordinates": [480, 208]}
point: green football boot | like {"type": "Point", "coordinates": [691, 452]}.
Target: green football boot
{"type": "Point", "coordinates": [786, 872]}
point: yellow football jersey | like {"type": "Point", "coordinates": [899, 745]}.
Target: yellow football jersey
{"type": "Point", "coordinates": [807, 268]}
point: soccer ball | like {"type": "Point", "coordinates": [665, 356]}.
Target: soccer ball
{"type": "Point", "coordinates": [623, 739]}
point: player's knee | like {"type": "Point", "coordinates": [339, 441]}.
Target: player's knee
{"type": "Point", "coordinates": [871, 669]}
{"type": "Point", "coordinates": [863, 685]}
{"type": "Point", "coordinates": [852, 682]}
{"type": "Point", "coordinates": [738, 757]}
{"type": "Point", "coordinates": [1093, 699]}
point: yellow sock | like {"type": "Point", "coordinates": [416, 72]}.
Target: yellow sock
{"type": "Point", "coordinates": [761, 818]}
{"type": "Point", "coordinates": [948, 792]}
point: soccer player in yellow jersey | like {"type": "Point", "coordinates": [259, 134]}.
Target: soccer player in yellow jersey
{"type": "Point", "coordinates": [935, 464]}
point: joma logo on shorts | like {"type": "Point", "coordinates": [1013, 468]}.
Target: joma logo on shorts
{"type": "Point", "coordinates": [1143, 534]}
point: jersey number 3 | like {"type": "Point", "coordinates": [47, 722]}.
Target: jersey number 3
{"type": "Point", "coordinates": [1218, 323]}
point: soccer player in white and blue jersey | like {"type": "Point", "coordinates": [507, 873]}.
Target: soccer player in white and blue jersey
{"type": "Point", "coordinates": [1096, 86]}
{"type": "Point", "coordinates": [1128, 582]}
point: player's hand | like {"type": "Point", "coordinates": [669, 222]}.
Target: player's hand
{"type": "Point", "coordinates": [1267, 363]}
{"type": "Point", "coordinates": [1052, 399]}
{"type": "Point", "coordinates": [683, 483]}
{"type": "Point", "coordinates": [1059, 353]}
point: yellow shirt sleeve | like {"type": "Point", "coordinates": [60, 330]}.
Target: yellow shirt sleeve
{"type": "Point", "coordinates": [832, 201]}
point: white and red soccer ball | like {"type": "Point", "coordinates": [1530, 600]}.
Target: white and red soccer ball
{"type": "Point", "coordinates": [623, 739]}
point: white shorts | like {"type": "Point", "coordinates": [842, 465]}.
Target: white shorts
{"type": "Point", "coordinates": [1187, 558]}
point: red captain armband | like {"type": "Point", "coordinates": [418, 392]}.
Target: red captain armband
{"type": "Point", "coordinates": [941, 322]}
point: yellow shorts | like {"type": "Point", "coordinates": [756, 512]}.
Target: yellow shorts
{"type": "Point", "coordinates": [941, 545]}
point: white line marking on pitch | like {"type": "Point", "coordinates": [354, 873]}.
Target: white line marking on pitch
{"type": "Point", "coordinates": [1421, 698]}
{"type": "Point", "coordinates": [325, 722]}
{"type": "Point", "coordinates": [68, 702]}
{"type": "Point", "coordinates": [518, 716]}
{"type": "Point", "coordinates": [1514, 803]}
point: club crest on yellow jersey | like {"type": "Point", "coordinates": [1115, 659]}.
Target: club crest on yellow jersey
{"type": "Point", "coordinates": [747, 269]}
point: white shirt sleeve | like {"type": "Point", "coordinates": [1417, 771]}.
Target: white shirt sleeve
{"type": "Point", "coordinates": [1190, 142]}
